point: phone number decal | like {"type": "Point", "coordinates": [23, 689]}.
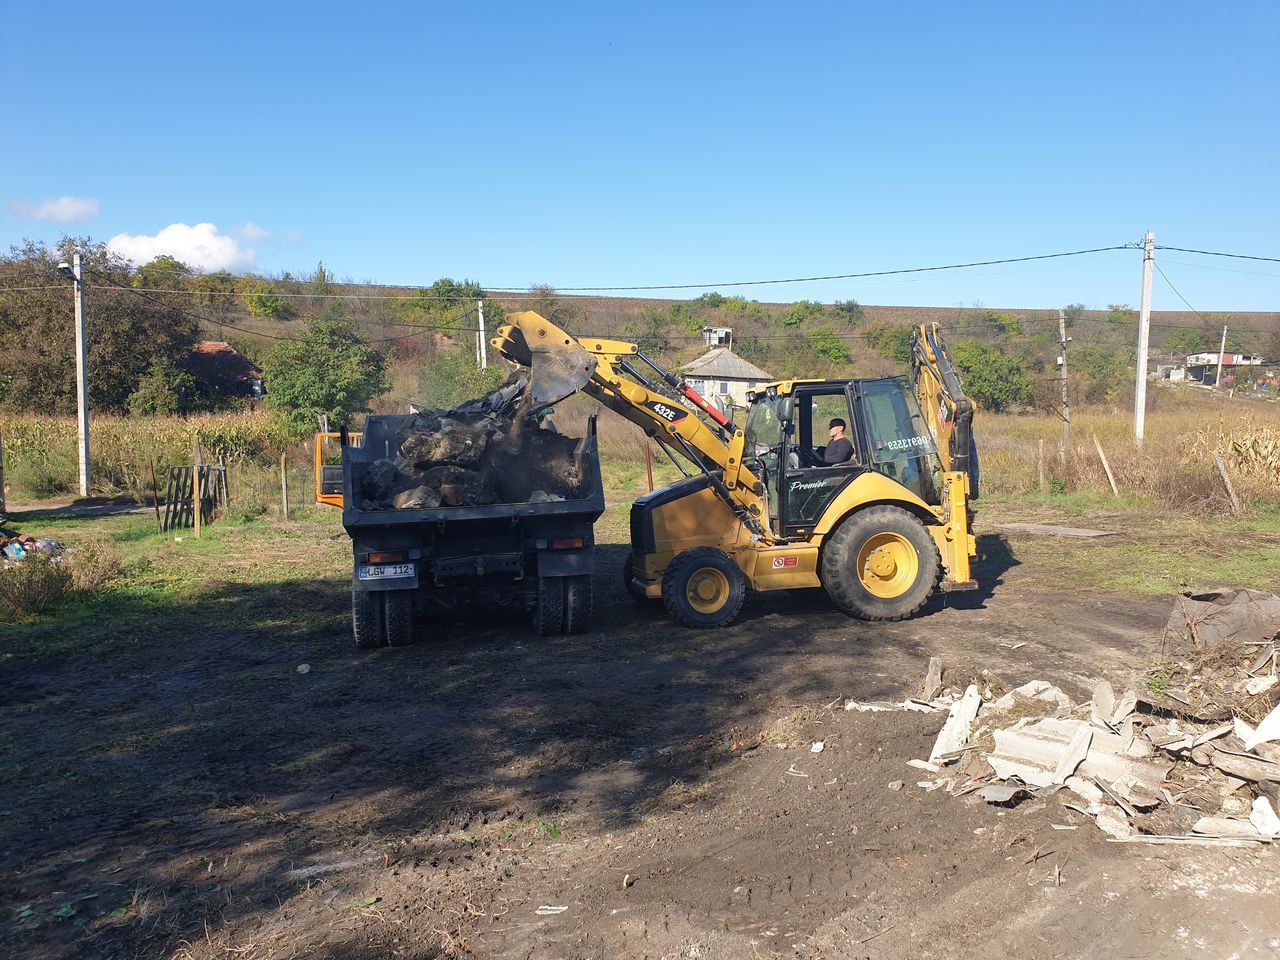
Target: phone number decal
{"type": "Point", "coordinates": [907, 443]}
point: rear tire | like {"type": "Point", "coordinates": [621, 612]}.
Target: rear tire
{"type": "Point", "coordinates": [398, 617]}
{"type": "Point", "coordinates": [703, 588]}
{"type": "Point", "coordinates": [578, 602]}
{"type": "Point", "coordinates": [880, 564]}
{"type": "Point", "coordinates": [366, 620]}
{"type": "Point", "coordinates": [548, 612]}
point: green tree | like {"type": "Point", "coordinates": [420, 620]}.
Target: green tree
{"type": "Point", "coordinates": [1185, 340]}
{"type": "Point", "coordinates": [890, 339]}
{"type": "Point", "coordinates": [684, 315]}
{"type": "Point", "coordinates": [127, 331]}
{"type": "Point", "coordinates": [1121, 315]}
{"type": "Point", "coordinates": [162, 273]}
{"type": "Point", "coordinates": [829, 345]}
{"type": "Point", "coordinates": [803, 312]}
{"type": "Point", "coordinates": [262, 302]}
{"type": "Point", "coordinates": [1074, 313]}
{"type": "Point", "coordinates": [710, 300]}
{"type": "Point", "coordinates": [329, 371]}
{"type": "Point", "coordinates": [991, 377]}
{"type": "Point", "coordinates": [320, 283]}
{"type": "Point", "coordinates": [848, 311]}
{"type": "Point", "coordinates": [165, 390]}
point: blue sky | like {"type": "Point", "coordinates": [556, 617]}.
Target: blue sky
{"type": "Point", "coordinates": [595, 144]}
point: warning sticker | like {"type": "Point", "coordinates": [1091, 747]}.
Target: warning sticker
{"type": "Point", "coordinates": [780, 562]}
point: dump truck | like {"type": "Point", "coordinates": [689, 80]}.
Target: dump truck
{"type": "Point", "coordinates": [433, 539]}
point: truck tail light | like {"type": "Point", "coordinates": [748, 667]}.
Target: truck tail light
{"type": "Point", "coordinates": [388, 556]}
{"type": "Point", "coordinates": [568, 543]}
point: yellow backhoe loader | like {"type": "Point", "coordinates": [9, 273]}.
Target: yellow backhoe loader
{"type": "Point", "coordinates": [880, 529]}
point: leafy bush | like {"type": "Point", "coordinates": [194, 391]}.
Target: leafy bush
{"type": "Point", "coordinates": [33, 585]}
{"type": "Point", "coordinates": [328, 372]}
{"type": "Point", "coordinates": [164, 390]}
{"type": "Point", "coordinates": [803, 312]}
{"type": "Point", "coordinates": [993, 378]}
{"type": "Point", "coordinates": [452, 376]}
{"type": "Point", "coordinates": [829, 345]}
{"type": "Point", "coordinates": [46, 472]}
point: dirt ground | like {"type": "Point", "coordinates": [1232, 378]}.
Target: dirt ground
{"type": "Point", "coordinates": [642, 791]}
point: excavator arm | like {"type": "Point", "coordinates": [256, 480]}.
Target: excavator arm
{"type": "Point", "coordinates": [609, 371]}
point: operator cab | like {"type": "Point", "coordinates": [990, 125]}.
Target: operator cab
{"type": "Point", "coordinates": [787, 431]}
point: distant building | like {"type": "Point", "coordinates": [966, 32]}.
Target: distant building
{"type": "Point", "coordinates": [724, 377]}
{"type": "Point", "coordinates": [1204, 366]}
{"type": "Point", "coordinates": [224, 369]}
{"type": "Point", "coordinates": [718, 336]}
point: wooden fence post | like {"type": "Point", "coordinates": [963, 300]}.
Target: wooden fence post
{"type": "Point", "coordinates": [2, 506]}
{"type": "Point", "coordinates": [1106, 466]}
{"type": "Point", "coordinates": [1040, 464]}
{"type": "Point", "coordinates": [155, 494]}
{"type": "Point", "coordinates": [196, 490]}
{"type": "Point", "coordinates": [284, 486]}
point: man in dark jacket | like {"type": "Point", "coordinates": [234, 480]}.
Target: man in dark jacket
{"type": "Point", "coordinates": [838, 449]}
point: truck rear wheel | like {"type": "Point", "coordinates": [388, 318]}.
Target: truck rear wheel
{"type": "Point", "coordinates": [366, 619]}
{"type": "Point", "coordinates": [703, 587]}
{"type": "Point", "coordinates": [398, 617]}
{"type": "Point", "coordinates": [548, 612]}
{"type": "Point", "coordinates": [577, 604]}
{"type": "Point", "coordinates": [880, 564]}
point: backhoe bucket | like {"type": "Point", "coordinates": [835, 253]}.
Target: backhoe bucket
{"type": "Point", "coordinates": [558, 365]}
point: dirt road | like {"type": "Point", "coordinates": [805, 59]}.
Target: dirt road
{"type": "Point", "coordinates": [642, 791]}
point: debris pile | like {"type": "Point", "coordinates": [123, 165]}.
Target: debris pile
{"type": "Point", "coordinates": [488, 450]}
{"type": "Point", "coordinates": [1197, 763]}
{"type": "Point", "coordinates": [17, 546]}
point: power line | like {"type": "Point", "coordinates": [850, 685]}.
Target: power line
{"type": "Point", "coordinates": [1180, 296]}
{"type": "Point", "coordinates": [844, 276]}
{"type": "Point", "coordinates": [1215, 253]}
{"type": "Point", "coordinates": [54, 287]}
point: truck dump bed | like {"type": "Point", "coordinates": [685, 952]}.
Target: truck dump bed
{"type": "Point", "coordinates": [380, 442]}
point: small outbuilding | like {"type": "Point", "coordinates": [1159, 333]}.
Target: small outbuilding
{"type": "Point", "coordinates": [224, 369]}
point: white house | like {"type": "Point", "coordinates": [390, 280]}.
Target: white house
{"type": "Point", "coordinates": [723, 377]}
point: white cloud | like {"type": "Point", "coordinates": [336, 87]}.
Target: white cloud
{"type": "Point", "coordinates": [63, 209]}
{"type": "Point", "coordinates": [253, 233]}
{"type": "Point", "coordinates": [199, 246]}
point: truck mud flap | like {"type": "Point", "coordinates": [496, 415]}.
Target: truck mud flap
{"type": "Point", "coordinates": [478, 566]}
{"type": "Point", "coordinates": [566, 563]}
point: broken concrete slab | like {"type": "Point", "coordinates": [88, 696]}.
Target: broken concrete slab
{"type": "Point", "coordinates": [1264, 819]}
{"type": "Point", "coordinates": [1268, 729]}
{"type": "Point", "coordinates": [1226, 827]}
{"type": "Point", "coordinates": [1246, 767]}
{"type": "Point", "coordinates": [955, 731]}
{"type": "Point", "coordinates": [932, 679]}
{"type": "Point", "coordinates": [1033, 752]}
{"type": "Point", "coordinates": [1036, 690]}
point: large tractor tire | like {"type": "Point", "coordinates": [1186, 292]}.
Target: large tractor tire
{"type": "Point", "coordinates": [628, 574]}
{"type": "Point", "coordinates": [703, 587]}
{"type": "Point", "coordinates": [548, 611]}
{"type": "Point", "coordinates": [880, 564]}
{"type": "Point", "coordinates": [366, 619]}
{"type": "Point", "coordinates": [578, 602]}
{"type": "Point", "coordinates": [398, 617]}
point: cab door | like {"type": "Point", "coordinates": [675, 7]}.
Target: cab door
{"type": "Point", "coordinates": [808, 484]}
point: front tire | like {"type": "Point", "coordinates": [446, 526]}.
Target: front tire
{"type": "Point", "coordinates": [703, 588]}
{"type": "Point", "coordinates": [880, 564]}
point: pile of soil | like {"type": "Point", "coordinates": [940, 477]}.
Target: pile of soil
{"type": "Point", "coordinates": [487, 450]}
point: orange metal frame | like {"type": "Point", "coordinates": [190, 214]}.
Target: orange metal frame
{"type": "Point", "coordinates": [329, 499]}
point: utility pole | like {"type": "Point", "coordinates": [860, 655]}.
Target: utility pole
{"type": "Point", "coordinates": [1221, 350]}
{"type": "Point", "coordinates": [484, 347]}
{"type": "Point", "coordinates": [1144, 338]}
{"type": "Point", "coordinates": [1063, 340]}
{"type": "Point", "coordinates": [75, 270]}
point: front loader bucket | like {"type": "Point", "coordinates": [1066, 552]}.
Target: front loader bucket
{"type": "Point", "coordinates": [558, 365]}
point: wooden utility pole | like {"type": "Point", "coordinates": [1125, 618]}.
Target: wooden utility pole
{"type": "Point", "coordinates": [1221, 350]}
{"type": "Point", "coordinates": [1063, 340]}
{"type": "Point", "coordinates": [1144, 338]}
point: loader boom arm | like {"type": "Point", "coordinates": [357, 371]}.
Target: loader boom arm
{"type": "Point", "coordinates": [608, 371]}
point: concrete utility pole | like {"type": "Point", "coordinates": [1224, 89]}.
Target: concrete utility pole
{"type": "Point", "coordinates": [1063, 340]}
{"type": "Point", "coordinates": [75, 270]}
{"type": "Point", "coordinates": [1221, 350]}
{"type": "Point", "coordinates": [484, 347]}
{"type": "Point", "coordinates": [1144, 338]}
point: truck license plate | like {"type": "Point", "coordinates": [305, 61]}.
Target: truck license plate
{"type": "Point", "coordinates": [379, 571]}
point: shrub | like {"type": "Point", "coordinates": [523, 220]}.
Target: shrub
{"type": "Point", "coordinates": [93, 563]}
{"type": "Point", "coordinates": [33, 585]}
{"type": "Point", "coordinates": [46, 473]}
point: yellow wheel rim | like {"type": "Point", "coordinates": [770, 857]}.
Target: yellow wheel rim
{"type": "Point", "coordinates": [707, 590]}
{"type": "Point", "coordinates": [887, 565]}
